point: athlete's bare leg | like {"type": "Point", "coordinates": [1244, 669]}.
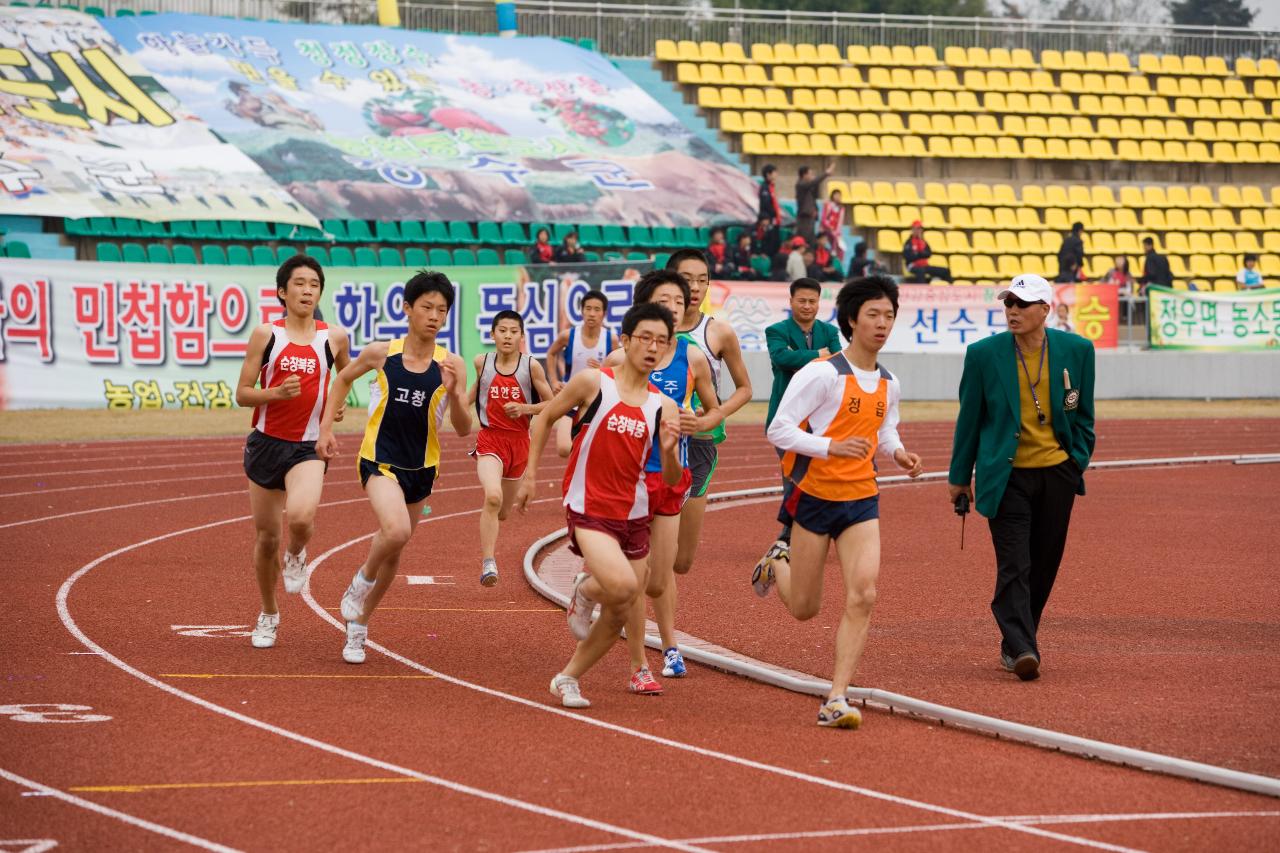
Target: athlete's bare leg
{"type": "Point", "coordinates": [690, 532]}
{"type": "Point", "coordinates": [396, 523]}
{"type": "Point", "coordinates": [302, 487]}
{"type": "Point", "coordinates": [799, 580]}
{"type": "Point", "coordinates": [859, 550]}
{"type": "Point", "coordinates": [615, 582]}
{"type": "Point", "coordinates": [266, 504]}
{"type": "Point", "coordinates": [489, 473]}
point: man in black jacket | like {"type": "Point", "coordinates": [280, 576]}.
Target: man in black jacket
{"type": "Point", "coordinates": [916, 254]}
{"type": "Point", "coordinates": [1071, 255]}
{"type": "Point", "coordinates": [807, 189]}
{"type": "Point", "coordinates": [1155, 266]}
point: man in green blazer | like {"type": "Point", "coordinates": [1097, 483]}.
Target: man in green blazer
{"type": "Point", "coordinates": [793, 343]}
{"type": "Point", "coordinates": [1026, 420]}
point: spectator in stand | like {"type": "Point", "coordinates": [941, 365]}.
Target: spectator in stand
{"type": "Point", "coordinates": [542, 252]}
{"type": "Point", "coordinates": [740, 258]}
{"type": "Point", "coordinates": [796, 267]}
{"type": "Point", "coordinates": [832, 223]}
{"type": "Point", "coordinates": [860, 262]}
{"type": "Point", "coordinates": [812, 268]}
{"type": "Point", "coordinates": [1249, 278]}
{"type": "Point", "coordinates": [721, 265]}
{"type": "Point", "coordinates": [1155, 266]}
{"type": "Point", "coordinates": [569, 251]}
{"type": "Point", "coordinates": [765, 240]}
{"type": "Point", "coordinates": [1120, 276]}
{"type": "Point", "coordinates": [1071, 255]}
{"type": "Point", "coordinates": [808, 188]}
{"type": "Point", "coordinates": [825, 260]}
{"type": "Point", "coordinates": [769, 207]}
{"type": "Point", "coordinates": [916, 253]}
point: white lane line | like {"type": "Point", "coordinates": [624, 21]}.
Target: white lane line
{"type": "Point", "coordinates": [1040, 820]}
{"type": "Point", "coordinates": [675, 744]}
{"type": "Point", "coordinates": [64, 612]}
{"type": "Point", "coordinates": [159, 829]}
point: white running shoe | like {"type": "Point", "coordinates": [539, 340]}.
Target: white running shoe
{"type": "Point", "coordinates": [489, 572]}
{"type": "Point", "coordinates": [353, 599]}
{"type": "Point", "coordinates": [264, 633]}
{"type": "Point", "coordinates": [581, 610]}
{"type": "Point", "coordinates": [353, 651]}
{"type": "Point", "coordinates": [295, 571]}
{"type": "Point", "coordinates": [565, 688]}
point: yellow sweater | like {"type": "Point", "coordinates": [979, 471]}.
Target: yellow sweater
{"type": "Point", "coordinates": [1037, 445]}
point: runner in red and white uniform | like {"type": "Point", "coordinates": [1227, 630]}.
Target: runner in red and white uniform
{"type": "Point", "coordinates": [605, 497]}
{"type": "Point", "coordinates": [510, 388]}
{"type": "Point", "coordinates": [285, 377]}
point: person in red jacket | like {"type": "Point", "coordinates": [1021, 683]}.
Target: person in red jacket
{"type": "Point", "coordinates": [916, 254]}
{"type": "Point", "coordinates": [542, 251]}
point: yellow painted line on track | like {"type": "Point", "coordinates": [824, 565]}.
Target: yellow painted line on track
{"type": "Point", "coordinates": [285, 675]}
{"type": "Point", "coordinates": [263, 783]}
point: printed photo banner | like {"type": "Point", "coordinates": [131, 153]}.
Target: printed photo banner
{"type": "Point", "coordinates": [930, 319]}
{"type": "Point", "coordinates": [362, 122]}
{"type": "Point", "coordinates": [87, 132]}
{"type": "Point", "coordinates": [1188, 319]}
{"type": "Point", "coordinates": [89, 335]}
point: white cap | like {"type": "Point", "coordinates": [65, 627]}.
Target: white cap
{"type": "Point", "coordinates": [1029, 287]}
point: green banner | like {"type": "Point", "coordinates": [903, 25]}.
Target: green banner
{"type": "Point", "coordinates": [1192, 319]}
{"type": "Point", "coordinates": [152, 336]}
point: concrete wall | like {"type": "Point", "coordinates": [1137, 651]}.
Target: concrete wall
{"type": "Point", "coordinates": [1120, 375]}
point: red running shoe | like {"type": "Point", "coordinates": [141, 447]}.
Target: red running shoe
{"type": "Point", "coordinates": [643, 682]}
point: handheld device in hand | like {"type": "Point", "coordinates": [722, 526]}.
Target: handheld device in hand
{"type": "Point", "coordinates": [962, 509]}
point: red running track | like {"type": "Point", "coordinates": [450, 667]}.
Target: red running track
{"type": "Point", "coordinates": [1159, 636]}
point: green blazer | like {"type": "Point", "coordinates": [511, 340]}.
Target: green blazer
{"type": "Point", "coordinates": [788, 353]}
{"type": "Point", "coordinates": [989, 424]}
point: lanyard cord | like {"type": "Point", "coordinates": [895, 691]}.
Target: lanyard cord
{"type": "Point", "coordinates": [1044, 348]}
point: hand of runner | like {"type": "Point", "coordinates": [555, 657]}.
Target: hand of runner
{"type": "Point", "coordinates": [689, 422]}
{"type": "Point", "coordinates": [288, 389]}
{"type": "Point", "coordinates": [515, 410]}
{"type": "Point", "coordinates": [850, 448]}
{"type": "Point", "coordinates": [957, 491]}
{"type": "Point", "coordinates": [669, 432]}
{"type": "Point", "coordinates": [910, 462]}
{"type": "Point", "coordinates": [557, 387]}
{"type": "Point", "coordinates": [449, 376]}
{"type": "Point", "coordinates": [524, 494]}
{"type": "Point", "coordinates": [341, 412]}
{"type": "Point", "coordinates": [824, 353]}
{"type": "Point", "coordinates": [594, 363]}
{"type": "Point", "coordinates": [327, 445]}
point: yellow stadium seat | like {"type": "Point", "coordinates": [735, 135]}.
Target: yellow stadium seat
{"type": "Point", "coordinates": [709, 51]}
{"type": "Point", "coordinates": [881, 55]}
{"type": "Point", "coordinates": [1246, 67]}
{"type": "Point", "coordinates": [1175, 242]}
{"type": "Point", "coordinates": [961, 267]}
{"type": "Point", "coordinates": [1251, 109]}
{"type": "Point", "coordinates": [979, 58]}
{"type": "Point", "coordinates": [731, 122]}
{"type": "Point", "coordinates": [1198, 152]}
{"type": "Point", "coordinates": [986, 125]}
{"type": "Point", "coordinates": [756, 75]}
{"type": "Point", "coordinates": [821, 145]}
{"type": "Point", "coordinates": [762, 53]}
{"type": "Point", "coordinates": [825, 123]}
{"type": "Point", "coordinates": [1100, 149]}
{"type": "Point", "coordinates": [1248, 152]}
{"type": "Point", "coordinates": [1212, 108]}
{"type": "Point", "coordinates": [1251, 131]}
{"type": "Point", "coordinates": [1202, 197]}
{"type": "Point", "coordinates": [1224, 243]}
{"type": "Point", "coordinates": [1248, 242]}
{"type": "Point", "coordinates": [1051, 60]}
{"type": "Point", "coordinates": [753, 143]}
{"type": "Point", "coordinates": [1200, 266]}
{"type": "Point", "coordinates": [1057, 149]}
{"type": "Point", "coordinates": [1178, 197]}
{"type": "Point", "coordinates": [1168, 87]}
{"type": "Point", "coordinates": [901, 102]}
{"type": "Point", "coordinates": [797, 123]}
{"type": "Point", "coordinates": [1192, 65]}
{"type": "Point", "coordinates": [984, 267]}
{"type": "Point", "coordinates": [1221, 219]}
{"type": "Point", "coordinates": [1148, 63]}
{"type": "Point", "coordinates": [975, 80]}
{"type": "Point", "coordinates": [879, 78]}
{"type": "Point", "coordinates": [901, 78]}
{"type": "Point", "coordinates": [1034, 148]}
{"type": "Point", "coordinates": [1268, 152]}
{"type": "Point", "coordinates": [885, 193]}
{"type": "Point", "coordinates": [776, 143]}
{"type": "Point", "coordinates": [732, 75]}
{"type": "Point", "coordinates": [1216, 65]}
{"type": "Point", "coordinates": [798, 144]}
{"type": "Point", "coordinates": [1199, 220]}
{"type": "Point", "coordinates": [860, 193]}
{"type": "Point", "coordinates": [1170, 63]}
{"type": "Point", "coordinates": [869, 145]}
{"type": "Point", "coordinates": [963, 125]}
{"type": "Point", "coordinates": [806, 54]}
{"type": "Point", "coordinates": [732, 99]}
{"type": "Point", "coordinates": [826, 100]}
{"type": "Point", "coordinates": [687, 73]}
{"type": "Point", "coordinates": [870, 123]}
{"type": "Point", "coordinates": [1102, 196]}
{"type": "Point", "coordinates": [1119, 62]}
{"type": "Point", "coordinates": [926, 56]}
{"type": "Point", "coordinates": [1136, 85]}
{"type": "Point", "coordinates": [829, 76]}
{"type": "Point", "coordinates": [967, 102]}
{"type": "Point", "coordinates": [1074, 60]}
{"type": "Point", "coordinates": [892, 123]}
{"type": "Point", "coordinates": [784, 76]}
{"type": "Point", "coordinates": [1188, 108]}
{"type": "Point", "coordinates": [886, 238]}
{"type": "Point", "coordinates": [1128, 150]}
{"type": "Point", "coordinates": [709, 96]}
{"type": "Point", "coordinates": [956, 57]}
{"type": "Point", "coordinates": [829, 54]}
{"type": "Point", "coordinates": [1214, 88]}
{"type": "Point", "coordinates": [753, 121]}
{"type": "Point", "coordinates": [1028, 219]}
{"type": "Point", "coordinates": [961, 217]}
{"type": "Point", "coordinates": [1170, 128]}
{"type": "Point", "coordinates": [859, 55]}
{"type": "Point", "coordinates": [1059, 104]}
{"type": "Point", "coordinates": [1102, 220]}
{"type": "Point", "coordinates": [1096, 60]}
{"type": "Point", "coordinates": [847, 123]}
{"type": "Point", "coordinates": [776, 99]}
{"type": "Point", "coordinates": [775, 122]}
{"type": "Point", "coordinates": [664, 50]}
{"type": "Point", "coordinates": [710, 74]}
{"type": "Point", "coordinates": [923, 78]}
{"type": "Point", "coordinates": [939, 146]}
{"type": "Point", "coordinates": [850, 78]}
{"type": "Point", "coordinates": [847, 145]}
{"type": "Point", "coordinates": [806, 76]}
{"type": "Point", "coordinates": [1199, 242]}
{"type": "Point", "coordinates": [784, 53]}
{"type": "Point", "coordinates": [688, 51]}
{"type": "Point", "coordinates": [999, 81]}
{"type": "Point", "coordinates": [903, 55]}
{"type": "Point", "coordinates": [1262, 89]}
{"type": "Point", "coordinates": [754, 98]}
{"type": "Point", "coordinates": [733, 52]}
{"type": "Point", "coordinates": [920, 123]}
{"type": "Point", "coordinates": [1224, 265]}
{"type": "Point", "coordinates": [1041, 81]}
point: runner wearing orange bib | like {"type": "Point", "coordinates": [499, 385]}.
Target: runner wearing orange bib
{"type": "Point", "coordinates": [833, 417]}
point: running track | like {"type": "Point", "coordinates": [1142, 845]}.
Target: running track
{"type": "Point", "coordinates": [1162, 635]}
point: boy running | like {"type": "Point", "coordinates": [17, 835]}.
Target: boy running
{"type": "Point", "coordinates": [285, 377]}
{"type": "Point", "coordinates": [605, 497]}
{"type": "Point", "coordinates": [719, 343]}
{"type": "Point", "coordinates": [586, 346]}
{"type": "Point", "coordinates": [683, 368]}
{"type": "Point", "coordinates": [833, 416]}
{"type": "Point", "coordinates": [509, 386]}
{"type": "Point", "coordinates": [415, 380]}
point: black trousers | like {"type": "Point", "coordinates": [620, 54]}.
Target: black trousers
{"type": "Point", "coordinates": [1029, 531]}
{"type": "Point", "coordinates": [927, 272]}
{"type": "Point", "coordinates": [787, 486]}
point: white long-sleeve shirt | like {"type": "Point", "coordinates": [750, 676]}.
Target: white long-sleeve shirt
{"type": "Point", "coordinates": [816, 393]}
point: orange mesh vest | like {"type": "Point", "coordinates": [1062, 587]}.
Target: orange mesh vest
{"type": "Point", "coordinates": [861, 414]}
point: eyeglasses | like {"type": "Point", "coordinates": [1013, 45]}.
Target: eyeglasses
{"type": "Point", "coordinates": [648, 340]}
{"type": "Point", "coordinates": [1010, 301]}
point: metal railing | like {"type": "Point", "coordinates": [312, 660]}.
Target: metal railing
{"type": "Point", "coordinates": [631, 29]}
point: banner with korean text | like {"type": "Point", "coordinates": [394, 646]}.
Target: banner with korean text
{"type": "Point", "coordinates": [930, 319]}
{"type": "Point", "coordinates": [154, 336]}
{"type": "Point", "coordinates": [362, 122]}
{"type": "Point", "coordinates": [87, 132]}
{"type": "Point", "coordinates": [1188, 319]}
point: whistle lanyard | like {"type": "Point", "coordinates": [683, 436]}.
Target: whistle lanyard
{"type": "Point", "coordinates": [1044, 349]}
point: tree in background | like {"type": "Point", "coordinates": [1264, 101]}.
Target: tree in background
{"type": "Point", "coordinates": [1211, 13]}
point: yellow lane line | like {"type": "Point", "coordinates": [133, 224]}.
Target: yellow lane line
{"type": "Point", "coordinates": [283, 675]}
{"type": "Point", "coordinates": [171, 786]}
